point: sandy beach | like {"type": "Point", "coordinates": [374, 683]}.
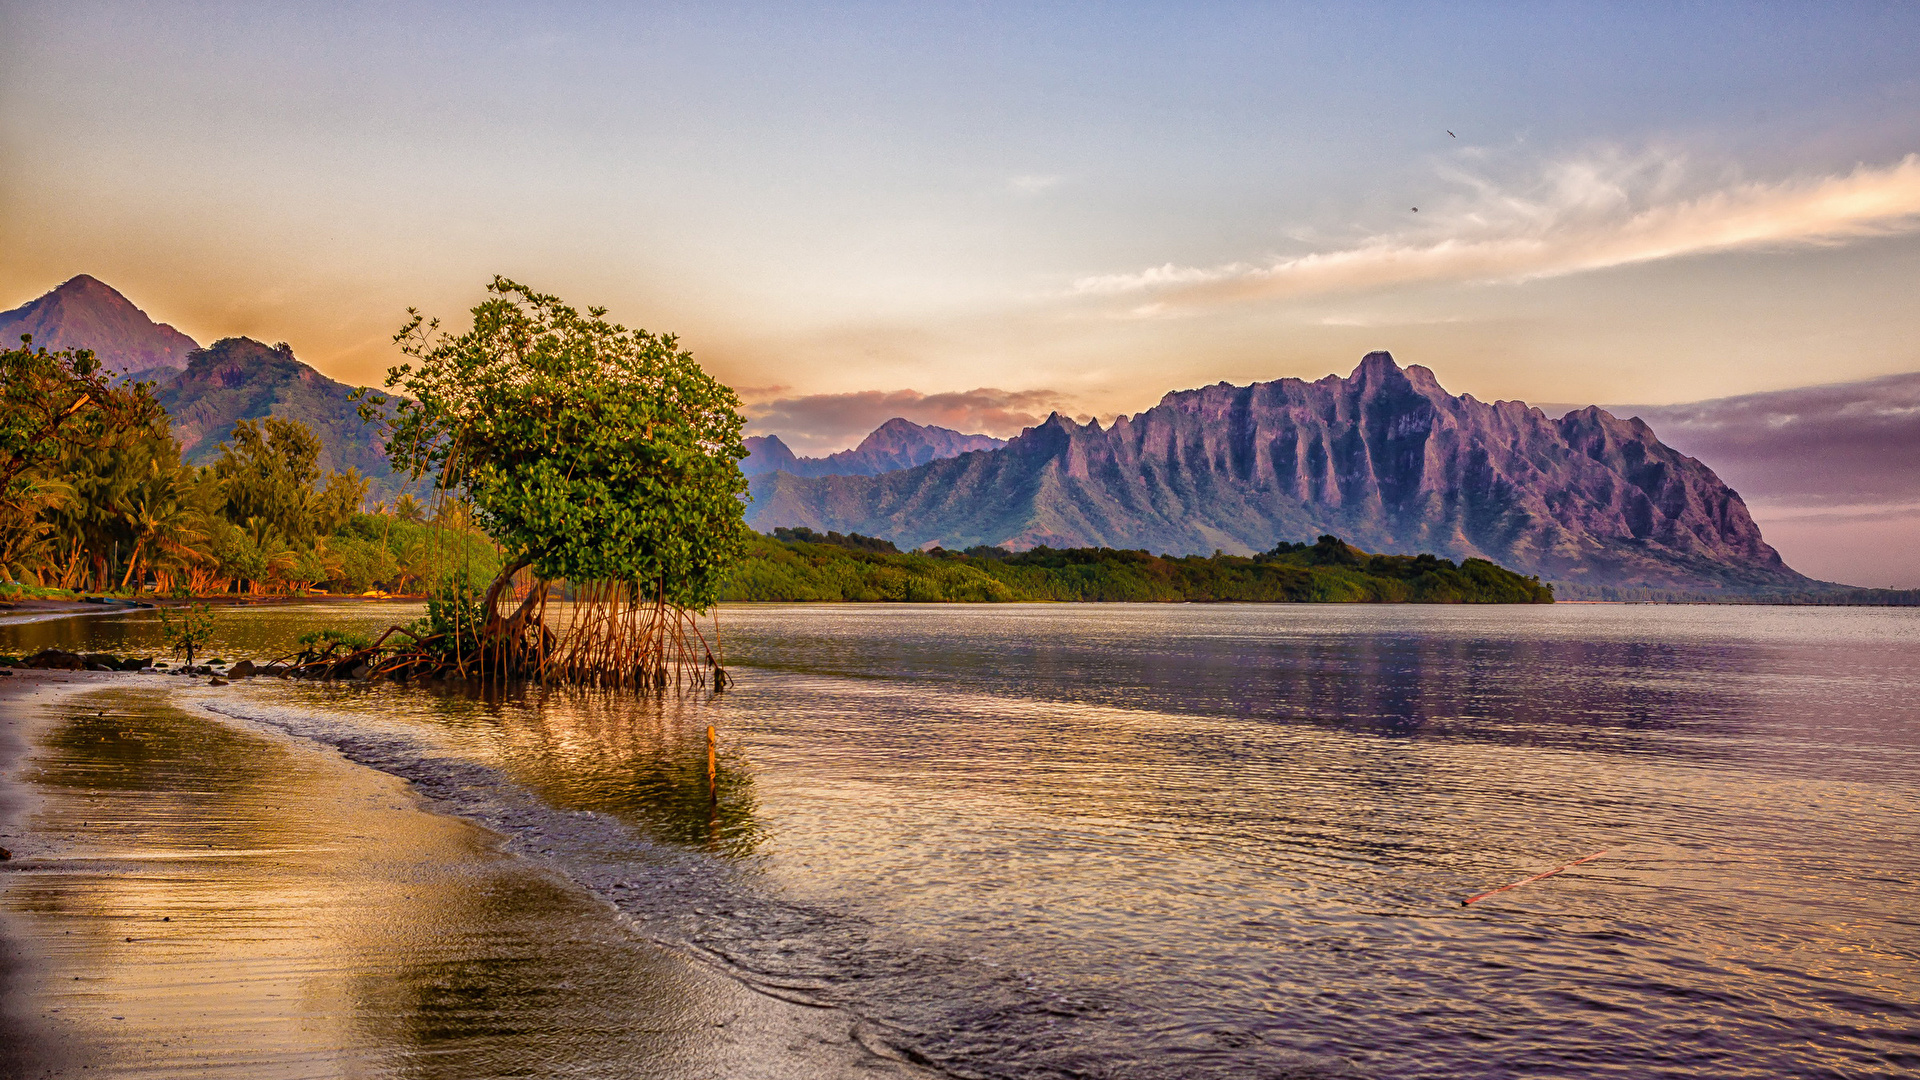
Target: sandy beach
{"type": "Point", "coordinates": [190, 897]}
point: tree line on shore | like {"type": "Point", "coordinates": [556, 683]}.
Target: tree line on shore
{"type": "Point", "coordinates": [803, 565]}
{"type": "Point", "coordinates": [95, 497]}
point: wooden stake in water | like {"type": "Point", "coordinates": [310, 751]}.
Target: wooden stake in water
{"type": "Point", "coordinates": [1523, 881]}
{"type": "Point", "coordinates": [713, 790]}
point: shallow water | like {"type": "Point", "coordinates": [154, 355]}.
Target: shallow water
{"type": "Point", "coordinates": [1196, 841]}
{"type": "Point", "coordinates": [206, 900]}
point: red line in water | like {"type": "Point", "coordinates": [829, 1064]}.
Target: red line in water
{"type": "Point", "coordinates": [1536, 877]}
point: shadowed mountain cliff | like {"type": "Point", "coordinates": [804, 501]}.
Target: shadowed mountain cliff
{"type": "Point", "coordinates": [896, 444]}
{"type": "Point", "coordinates": [238, 379]}
{"type": "Point", "coordinates": [86, 313]}
{"type": "Point", "coordinates": [1385, 458]}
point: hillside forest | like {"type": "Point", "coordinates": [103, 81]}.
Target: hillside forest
{"type": "Point", "coordinates": [96, 497]}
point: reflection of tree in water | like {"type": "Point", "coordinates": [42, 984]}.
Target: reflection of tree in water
{"type": "Point", "coordinates": [640, 759]}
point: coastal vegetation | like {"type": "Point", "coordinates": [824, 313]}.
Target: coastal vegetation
{"type": "Point", "coordinates": [592, 455]}
{"type": "Point", "coordinates": [802, 565]}
{"type": "Point", "coordinates": [187, 630]}
{"type": "Point", "coordinates": [95, 497]}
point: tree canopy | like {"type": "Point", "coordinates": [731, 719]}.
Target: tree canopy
{"type": "Point", "coordinates": [589, 451]}
{"type": "Point", "coordinates": [54, 407]}
{"type": "Point", "coordinates": [51, 401]}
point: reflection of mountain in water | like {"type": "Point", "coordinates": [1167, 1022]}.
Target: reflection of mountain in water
{"type": "Point", "coordinates": [1503, 684]}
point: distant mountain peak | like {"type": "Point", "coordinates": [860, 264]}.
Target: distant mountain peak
{"type": "Point", "coordinates": [87, 313]}
{"type": "Point", "coordinates": [897, 444]}
{"type": "Point", "coordinates": [82, 283]}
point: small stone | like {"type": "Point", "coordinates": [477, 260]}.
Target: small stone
{"type": "Point", "coordinates": [217, 681]}
{"type": "Point", "coordinates": [5, 854]}
{"type": "Point", "coordinates": [242, 670]}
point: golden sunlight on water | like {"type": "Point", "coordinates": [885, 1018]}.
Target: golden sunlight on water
{"type": "Point", "coordinates": [207, 900]}
{"type": "Point", "coordinates": [1142, 842]}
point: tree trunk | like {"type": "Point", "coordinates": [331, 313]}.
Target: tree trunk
{"type": "Point", "coordinates": [499, 584]}
{"type": "Point", "coordinates": [133, 561]}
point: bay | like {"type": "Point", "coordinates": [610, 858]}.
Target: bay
{"type": "Point", "coordinates": [1196, 841]}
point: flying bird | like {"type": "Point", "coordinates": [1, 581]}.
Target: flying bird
{"type": "Point", "coordinates": [1416, 209]}
{"type": "Point", "coordinates": [1452, 135]}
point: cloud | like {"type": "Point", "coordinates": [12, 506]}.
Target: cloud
{"type": "Point", "coordinates": [823, 423]}
{"type": "Point", "coordinates": [1848, 448]}
{"type": "Point", "coordinates": [1582, 215]}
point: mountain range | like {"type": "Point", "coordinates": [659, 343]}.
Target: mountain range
{"type": "Point", "coordinates": [896, 444]}
{"type": "Point", "coordinates": [1385, 458]}
{"type": "Point", "coordinates": [86, 313]}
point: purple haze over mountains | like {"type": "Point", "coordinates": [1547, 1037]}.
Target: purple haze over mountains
{"type": "Point", "coordinates": [86, 313]}
{"type": "Point", "coordinates": [1849, 444]}
{"type": "Point", "coordinates": [1832, 472]}
{"type": "Point", "coordinates": [896, 444]}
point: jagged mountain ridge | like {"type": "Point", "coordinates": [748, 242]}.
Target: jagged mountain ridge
{"type": "Point", "coordinates": [1385, 458]}
{"type": "Point", "coordinates": [86, 313]}
{"type": "Point", "coordinates": [897, 444]}
{"type": "Point", "coordinates": [239, 378]}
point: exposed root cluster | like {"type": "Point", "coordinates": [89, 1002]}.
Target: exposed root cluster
{"type": "Point", "coordinates": [611, 636]}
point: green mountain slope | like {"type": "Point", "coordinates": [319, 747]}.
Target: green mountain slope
{"type": "Point", "coordinates": [238, 379]}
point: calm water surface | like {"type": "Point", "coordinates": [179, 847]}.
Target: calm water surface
{"type": "Point", "coordinates": [1199, 841]}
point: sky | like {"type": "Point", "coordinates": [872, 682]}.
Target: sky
{"type": "Point", "coordinates": [975, 213]}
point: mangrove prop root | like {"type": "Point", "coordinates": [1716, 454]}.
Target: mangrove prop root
{"type": "Point", "coordinates": [617, 635]}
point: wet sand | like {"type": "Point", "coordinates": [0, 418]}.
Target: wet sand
{"type": "Point", "coordinates": [188, 897]}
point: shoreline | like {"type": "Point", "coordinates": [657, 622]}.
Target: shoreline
{"type": "Point", "coordinates": [38, 605]}
{"type": "Point", "coordinates": [22, 722]}
{"type": "Point", "coordinates": [191, 894]}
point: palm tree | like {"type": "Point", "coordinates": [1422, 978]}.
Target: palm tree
{"type": "Point", "coordinates": [160, 522]}
{"type": "Point", "coordinates": [409, 509]}
{"type": "Point", "coordinates": [23, 524]}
